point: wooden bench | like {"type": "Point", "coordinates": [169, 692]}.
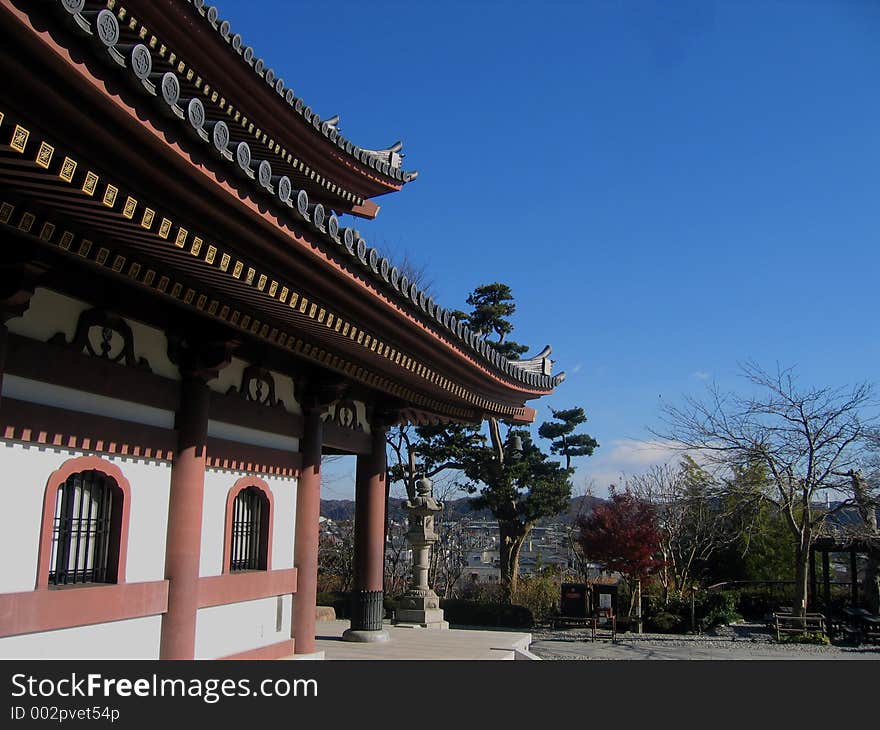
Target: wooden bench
{"type": "Point", "coordinates": [787, 623]}
{"type": "Point", "coordinates": [871, 628]}
{"type": "Point", "coordinates": [572, 622]}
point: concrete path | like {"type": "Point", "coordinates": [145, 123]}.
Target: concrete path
{"type": "Point", "coordinates": [424, 644]}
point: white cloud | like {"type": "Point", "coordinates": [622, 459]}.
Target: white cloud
{"type": "Point", "coordinates": [622, 457]}
{"type": "Point", "coordinates": [577, 368]}
{"type": "Point", "coordinates": [701, 375]}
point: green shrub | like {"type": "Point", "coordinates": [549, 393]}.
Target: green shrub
{"type": "Point", "coordinates": [473, 613]}
{"type": "Point", "coordinates": [482, 592]}
{"type": "Point", "coordinates": [678, 607]}
{"type": "Point", "coordinates": [758, 602]}
{"type": "Point", "coordinates": [665, 623]}
{"type": "Point", "coordinates": [719, 609]}
{"type": "Point", "coordinates": [340, 601]}
{"type": "Point", "coordinates": [539, 594]}
{"type": "Point", "coordinates": [806, 638]}
{"type": "Point", "coordinates": [719, 617]}
{"type": "Point", "coordinates": [652, 605]}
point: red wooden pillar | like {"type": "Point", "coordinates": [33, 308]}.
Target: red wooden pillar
{"type": "Point", "coordinates": [369, 543]}
{"type": "Point", "coordinates": [183, 545]}
{"type": "Point", "coordinates": [198, 363]}
{"type": "Point", "coordinates": [308, 512]}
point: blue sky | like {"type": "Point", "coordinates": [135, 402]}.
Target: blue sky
{"type": "Point", "coordinates": [670, 188]}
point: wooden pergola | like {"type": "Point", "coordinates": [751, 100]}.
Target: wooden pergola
{"type": "Point", "coordinates": [825, 546]}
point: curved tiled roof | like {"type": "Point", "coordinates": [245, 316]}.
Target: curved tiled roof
{"type": "Point", "coordinates": [326, 128]}
{"type": "Point", "coordinates": [136, 60]}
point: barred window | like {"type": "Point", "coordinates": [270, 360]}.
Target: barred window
{"type": "Point", "coordinates": [86, 529]}
{"type": "Point", "coordinates": [250, 530]}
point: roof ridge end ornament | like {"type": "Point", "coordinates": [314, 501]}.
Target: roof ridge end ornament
{"type": "Point", "coordinates": [223, 28]}
{"type": "Point", "coordinates": [540, 363]}
{"type": "Point", "coordinates": [391, 155]}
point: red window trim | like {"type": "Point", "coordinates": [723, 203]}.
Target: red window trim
{"type": "Point", "coordinates": [50, 497]}
{"type": "Point", "coordinates": [239, 486]}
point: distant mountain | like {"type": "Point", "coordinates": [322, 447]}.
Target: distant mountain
{"type": "Point", "coordinates": [341, 510]}
{"type": "Point", "coordinates": [338, 510]}
{"type": "Point", "coordinates": [579, 506]}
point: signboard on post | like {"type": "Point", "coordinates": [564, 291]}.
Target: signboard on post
{"type": "Point", "coordinates": [574, 600]}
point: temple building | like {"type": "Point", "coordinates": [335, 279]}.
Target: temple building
{"type": "Point", "coordinates": [187, 327]}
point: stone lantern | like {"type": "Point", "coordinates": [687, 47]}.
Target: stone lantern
{"type": "Point", "coordinates": [420, 605]}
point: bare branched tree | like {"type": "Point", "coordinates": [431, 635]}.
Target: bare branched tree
{"type": "Point", "coordinates": [408, 266]}
{"type": "Point", "coordinates": [336, 557]}
{"type": "Point", "coordinates": [692, 520]}
{"type": "Point", "coordinates": [578, 562]}
{"type": "Point", "coordinates": [804, 439]}
{"type": "Point", "coordinates": [397, 559]}
{"type": "Point", "coordinates": [449, 556]}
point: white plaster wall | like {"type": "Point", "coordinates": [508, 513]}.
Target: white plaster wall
{"type": "Point", "coordinates": [230, 377]}
{"type": "Point", "coordinates": [26, 468]}
{"type": "Point", "coordinates": [237, 627]}
{"type": "Point", "coordinates": [284, 391]}
{"type": "Point", "coordinates": [245, 435]}
{"type": "Point", "coordinates": [218, 482]}
{"type": "Point", "coordinates": [50, 312]}
{"type": "Point", "coordinates": [148, 522]}
{"type": "Point", "coordinates": [136, 638]}
{"type": "Point", "coordinates": [151, 343]}
{"type": "Point", "coordinates": [48, 394]}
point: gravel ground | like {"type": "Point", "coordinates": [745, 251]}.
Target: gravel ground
{"type": "Point", "coordinates": [742, 641]}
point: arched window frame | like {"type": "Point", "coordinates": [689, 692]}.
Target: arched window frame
{"type": "Point", "coordinates": [266, 535]}
{"type": "Point", "coordinates": [50, 501]}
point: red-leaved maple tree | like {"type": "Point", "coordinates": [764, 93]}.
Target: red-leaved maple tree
{"type": "Point", "coordinates": [622, 535]}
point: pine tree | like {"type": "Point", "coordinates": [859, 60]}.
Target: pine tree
{"type": "Point", "coordinates": [564, 440]}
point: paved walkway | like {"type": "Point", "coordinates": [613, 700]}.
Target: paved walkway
{"type": "Point", "coordinates": [422, 644]}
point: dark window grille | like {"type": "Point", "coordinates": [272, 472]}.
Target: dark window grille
{"type": "Point", "coordinates": [84, 533]}
{"type": "Point", "coordinates": [250, 516]}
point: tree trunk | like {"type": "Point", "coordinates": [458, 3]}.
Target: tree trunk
{"type": "Point", "coordinates": [801, 573]}
{"type": "Point", "coordinates": [639, 606]}
{"type": "Point", "coordinates": [512, 535]}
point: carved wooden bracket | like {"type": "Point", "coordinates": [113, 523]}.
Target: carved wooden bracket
{"type": "Point", "coordinates": [386, 413]}
{"type": "Point", "coordinates": [257, 386]}
{"type": "Point", "coordinates": [109, 325]}
{"type": "Point", "coordinates": [17, 284]}
{"type": "Point", "coordinates": [319, 395]}
{"type": "Point", "coordinates": [346, 415]}
{"type": "Point", "coordinates": [198, 358]}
